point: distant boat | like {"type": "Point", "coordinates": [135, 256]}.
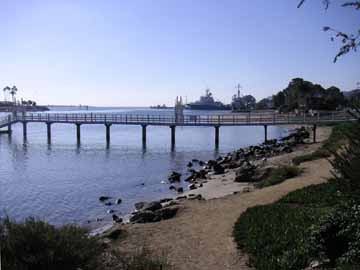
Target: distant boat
{"type": "Point", "coordinates": [161, 107]}
{"type": "Point", "coordinates": [207, 102]}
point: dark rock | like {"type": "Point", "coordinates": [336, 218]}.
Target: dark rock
{"type": "Point", "coordinates": [233, 164]}
{"type": "Point", "coordinates": [118, 201]}
{"type": "Point", "coordinates": [245, 173]}
{"type": "Point", "coordinates": [211, 162]}
{"type": "Point", "coordinates": [201, 163]}
{"type": "Point", "coordinates": [172, 187]}
{"type": "Point", "coordinates": [143, 217]}
{"type": "Point", "coordinates": [181, 197]}
{"type": "Point", "coordinates": [218, 169]}
{"type": "Point", "coordinates": [108, 203]}
{"type": "Point", "coordinates": [174, 177]}
{"type": "Point", "coordinates": [148, 206]}
{"type": "Point", "coordinates": [192, 186]}
{"type": "Point", "coordinates": [103, 198]}
{"type": "Point", "coordinates": [189, 164]}
{"type": "Point", "coordinates": [189, 178]}
{"type": "Point", "coordinates": [199, 175]}
{"type": "Point", "coordinates": [139, 205]}
{"type": "Point", "coordinates": [114, 234]}
{"type": "Point", "coordinates": [196, 197]}
{"type": "Point", "coordinates": [165, 200]}
{"type": "Point", "coordinates": [110, 211]}
{"type": "Point", "coordinates": [171, 203]}
{"type": "Point", "coordinates": [150, 216]}
{"type": "Point", "coordinates": [167, 212]}
{"type": "Point", "coordinates": [195, 160]}
{"type": "Point", "coordinates": [117, 219]}
{"type": "Point", "coordinates": [180, 189]}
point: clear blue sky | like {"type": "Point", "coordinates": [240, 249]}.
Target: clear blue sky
{"type": "Point", "coordinates": [146, 52]}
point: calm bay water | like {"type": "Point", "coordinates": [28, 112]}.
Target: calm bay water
{"type": "Point", "coordinates": [61, 182]}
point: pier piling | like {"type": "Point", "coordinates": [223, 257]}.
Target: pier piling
{"type": "Point", "coordinates": [314, 133]}
{"type": "Point", "coordinates": [217, 128]}
{"type": "Point", "coordinates": [48, 129]}
{"type": "Point", "coordinates": [107, 133]}
{"type": "Point", "coordinates": [143, 134]}
{"type": "Point", "coordinates": [78, 133]}
{"type": "Point", "coordinates": [172, 136]}
{"type": "Point", "coordinates": [24, 130]}
{"type": "Point", "coordinates": [266, 133]}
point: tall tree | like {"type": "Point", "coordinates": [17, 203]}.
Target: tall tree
{"type": "Point", "coordinates": [13, 92]}
{"type": "Point", "coordinates": [6, 89]}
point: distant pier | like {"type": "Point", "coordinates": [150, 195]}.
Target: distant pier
{"type": "Point", "coordinates": [216, 121]}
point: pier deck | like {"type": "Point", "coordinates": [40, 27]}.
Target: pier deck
{"type": "Point", "coordinates": [108, 119]}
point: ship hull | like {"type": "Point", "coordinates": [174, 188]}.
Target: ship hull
{"type": "Point", "coordinates": [206, 107]}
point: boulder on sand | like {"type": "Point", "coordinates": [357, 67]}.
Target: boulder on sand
{"type": "Point", "coordinates": [218, 169]}
{"type": "Point", "coordinates": [192, 186]}
{"type": "Point", "coordinates": [148, 206]}
{"type": "Point", "coordinates": [154, 216]}
{"type": "Point", "coordinates": [245, 173]}
{"type": "Point", "coordinates": [143, 217]}
{"type": "Point", "coordinates": [174, 177]}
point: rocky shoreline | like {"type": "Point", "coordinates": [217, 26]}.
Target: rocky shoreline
{"type": "Point", "coordinates": [248, 166]}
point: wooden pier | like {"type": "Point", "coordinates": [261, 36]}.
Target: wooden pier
{"type": "Point", "coordinates": [216, 121]}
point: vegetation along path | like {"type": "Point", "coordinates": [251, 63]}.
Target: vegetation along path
{"type": "Point", "coordinates": [200, 237]}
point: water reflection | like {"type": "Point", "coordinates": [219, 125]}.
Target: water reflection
{"type": "Point", "coordinates": [61, 180]}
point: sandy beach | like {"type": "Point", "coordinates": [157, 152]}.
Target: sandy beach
{"type": "Point", "coordinates": [200, 236]}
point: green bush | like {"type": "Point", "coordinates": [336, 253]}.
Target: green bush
{"type": "Point", "coordinates": [336, 239]}
{"type": "Point", "coordinates": [322, 195]}
{"type": "Point", "coordinates": [279, 175]}
{"type": "Point", "coordinates": [347, 161]}
{"type": "Point", "coordinates": [335, 141]}
{"type": "Point", "coordinates": [318, 154]}
{"type": "Point", "coordinates": [275, 236]}
{"type": "Point", "coordinates": [140, 259]}
{"type": "Point", "coordinates": [37, 245]}
{"type": "Point", "coordinates": [315, 222]}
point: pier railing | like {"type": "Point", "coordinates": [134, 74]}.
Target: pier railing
{"type": "Point", "coordinates": [240, 119]}
{"type": "Point", "coordinates": [193, 120]}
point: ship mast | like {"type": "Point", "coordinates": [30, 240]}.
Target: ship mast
{"type": "Point", "coordinates": [238, 87]}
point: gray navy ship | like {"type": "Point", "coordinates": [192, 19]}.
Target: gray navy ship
{"type": "Point", "coordinates": [207, 102]}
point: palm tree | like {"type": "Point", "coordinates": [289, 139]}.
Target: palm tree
{"type": "Point", "coordinates": [13, 92]}
{"type": "Point", "coordinates": [6, 89]}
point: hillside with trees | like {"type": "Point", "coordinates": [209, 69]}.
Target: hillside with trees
{"type": "Point", "coordinates": [305, 95]}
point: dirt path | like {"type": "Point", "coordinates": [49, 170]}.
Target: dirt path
{"type": "Point", "coordinates": [200, 236]}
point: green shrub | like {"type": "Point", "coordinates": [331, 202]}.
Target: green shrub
{"type": "Point", "coordinates": [335, 141]}
{"type": "Point", "coordinates": [275, 236]}
{"type": "Point", "coordinates": [37, 245]}
{"type": "Point", "coordinates": [279, 175]}
{"type": "Point", "coordinates": [336, 238]}
{"type": "Point", "coordinates": [322, 195]}
{"type": "Point", "coordinates": [140, 259]}
{"type": "Point", "coordinates": [314, 222]}
{"type": "Point", "coordinates": [318, 154]}
{"type": "Point", "coordinates": [347, 161]}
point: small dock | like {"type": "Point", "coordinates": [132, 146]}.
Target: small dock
{"type": "Point", "coordinates": [216, 121]}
